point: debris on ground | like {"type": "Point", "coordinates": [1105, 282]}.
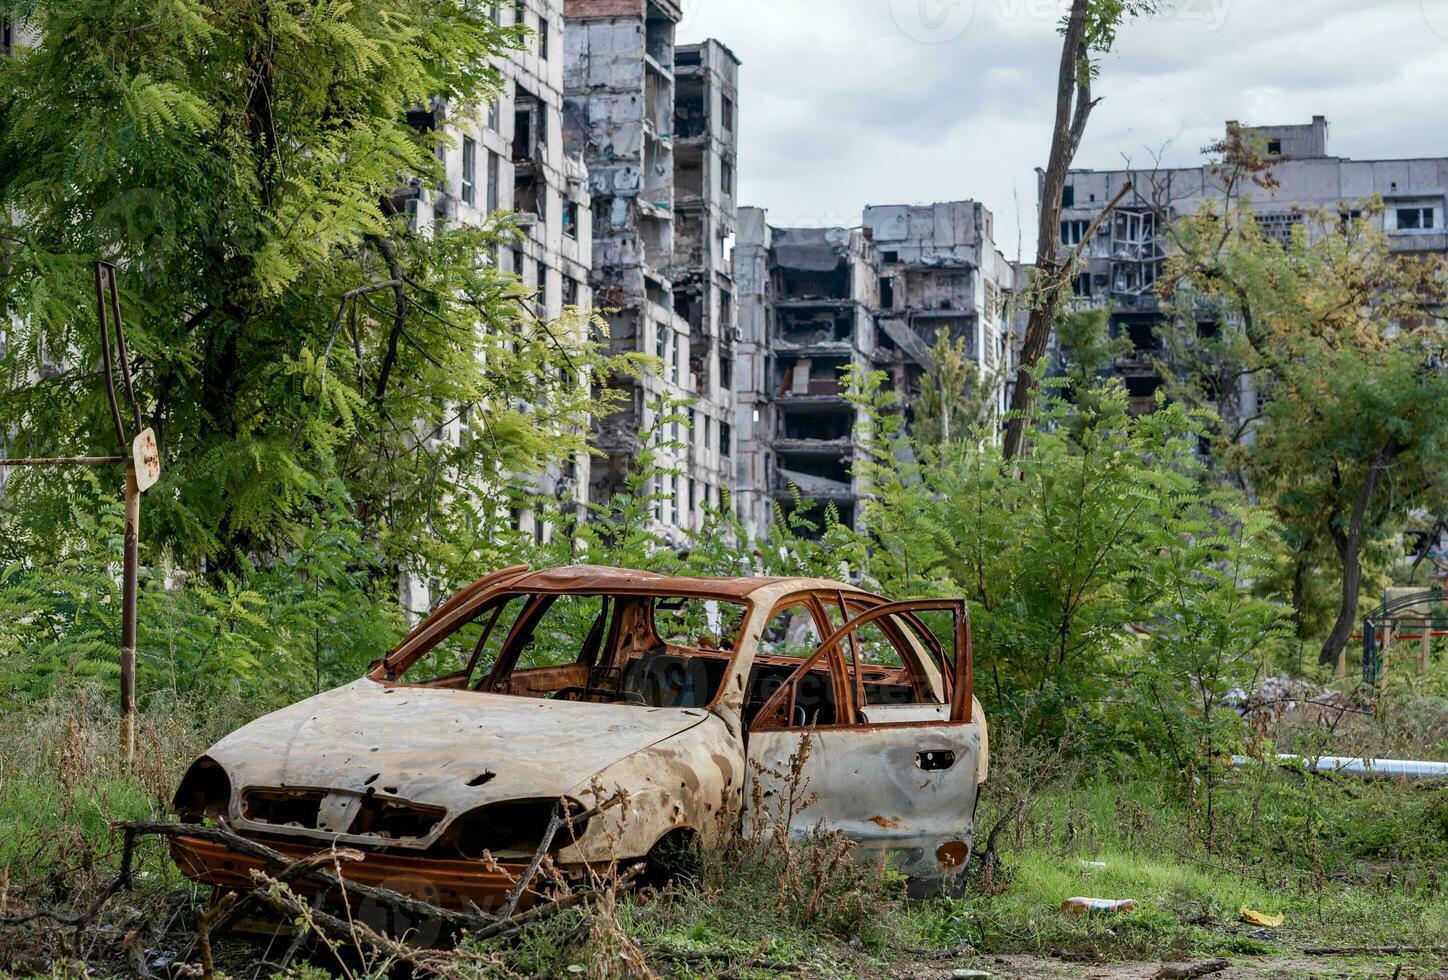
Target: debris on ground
{"type": "Point", "coordinates": [1255, 918]}
{"type": "Point", "coordinates": [1186, 971]}
{"type": "Point", "coordinates": [1099, 906]}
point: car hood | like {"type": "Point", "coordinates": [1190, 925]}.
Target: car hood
{"type": "Point", "coordinates": [448, 748]}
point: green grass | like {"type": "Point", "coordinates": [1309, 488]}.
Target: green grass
{"type": "Point", "coordinates": [1347, 862]}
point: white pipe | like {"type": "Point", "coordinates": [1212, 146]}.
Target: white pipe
{"type": "Point", "coordinates": [1357, 766]}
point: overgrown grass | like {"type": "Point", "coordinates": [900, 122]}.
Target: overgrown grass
{"type": "Point", "coordinates": [1347, 862]}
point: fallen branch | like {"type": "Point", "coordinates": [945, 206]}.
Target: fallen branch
{"type": "Point", "coordinates": [1187, 971]}
{"type": "Point", "coordinates": [299, 869]}
{"type": "Point", "coordinates": [539, 913]}
{"type": "Point", "coordinates": [84, 918]}
{"type": "Point", "coordinates": [555, 822]}
{"type": "Point", "coordinates": [1371, 950]}
{"type": "Point", "coordinates": [276, 859]}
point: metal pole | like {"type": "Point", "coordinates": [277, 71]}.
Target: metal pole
{"type": "Point", "coordinates": [63, 460]}
{"type": "Point", "coordinates": [128, 615]}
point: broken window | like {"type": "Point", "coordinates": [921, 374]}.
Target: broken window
{"type": "Point", "coordinates": [659, 36]}
{"type": "Point", "coordinates": [1072, 232]}
{"type": "Point", "coordinates": [1416, 218]}
{"type": "Point", "coordinates": [529, 194]}
{"type": "Point", "coordinates": [1278, 225]}
{"type": "Point", "coordinates": [543, 37]}
{"type": "Point", "coordinates": [691, 114]}
{"type": "Point", "coordinates": [826, 426]}
{"type": "Point", "coordinates": [570, 218]}
{"type": "Point", "coordinates": [1274, 148]}
{"type": "Point", "coordinates": [726, 113]}
{"type": "Point", "coordinates": [1081, 285]}
{"type": "Point", "coordinates": [528, 130]}
{"type": "Point", "coordinates": [887, 292]}
{"type": "Point", "coordinates": [495, 165]}
{"type": "Point", "coordinates": [1068, 196]}
{"type": "Point", "coordinates": [726, 177]}
{"type": "Point", "coordinates": [726, 439]}
{"type": "Point", "coordinates": [470, 171]}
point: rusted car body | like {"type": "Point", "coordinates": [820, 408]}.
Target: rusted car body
{"type": "Point", "coordinates": [690, 704]}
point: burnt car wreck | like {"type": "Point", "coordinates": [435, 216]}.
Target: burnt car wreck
{"type": "Point", "coordinates": [642, 710]}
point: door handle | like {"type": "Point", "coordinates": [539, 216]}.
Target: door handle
{"type": "Point", "coordinates": [934, 760]}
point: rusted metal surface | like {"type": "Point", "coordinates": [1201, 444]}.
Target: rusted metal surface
{"type": "Point", "coordinates": [451, 884]}
{"type": "Point", "coordinates": [440, 775]}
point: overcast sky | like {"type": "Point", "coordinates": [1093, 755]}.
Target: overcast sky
{"type": "Point", "coordinates": [851, 102]}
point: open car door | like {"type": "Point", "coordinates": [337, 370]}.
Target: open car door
{"type": "Point", "coordinates": [904, 789]}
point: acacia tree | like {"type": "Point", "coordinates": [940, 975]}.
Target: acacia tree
{"type": "Point", "coordinates": [1089, 29]}
{"type": "Point", "coordinates": [955, 395]}
{"type": "Point", "coordinates": [247, 164]}
{"type": "Point", "coordinates": [1344, 430]}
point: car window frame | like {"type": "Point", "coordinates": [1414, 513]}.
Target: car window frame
{"type": "Point", "coordinates": [960, 691]}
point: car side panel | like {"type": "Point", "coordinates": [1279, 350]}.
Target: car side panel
{"type": "Point", "coordinates": [692, 781]}
{"type": "Point", "coordinates": [884, 786]}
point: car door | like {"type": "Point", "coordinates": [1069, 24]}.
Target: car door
{"type": "Point", "coordinates": [902, 789]}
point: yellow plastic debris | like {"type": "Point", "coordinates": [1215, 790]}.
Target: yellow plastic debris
{"type": "Point", "coordinates": [1253, 917]}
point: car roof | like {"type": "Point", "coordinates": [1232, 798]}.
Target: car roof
{"type": "Point", "coordinates": [600, 578]}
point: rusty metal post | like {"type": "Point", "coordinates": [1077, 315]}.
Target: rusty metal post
{"type": "Point", "coordinates": [128, 615]}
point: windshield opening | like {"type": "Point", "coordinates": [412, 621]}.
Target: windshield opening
{"type": "Point", "coordinates": [662, 651]}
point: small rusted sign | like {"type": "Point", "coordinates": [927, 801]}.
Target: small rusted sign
{"type": "Point", "coordinates": [147, 459]}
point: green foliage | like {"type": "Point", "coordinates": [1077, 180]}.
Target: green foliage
{"type": "Point", "coordinates": [241, 163]}
{"type": "Point", "coordinates": [1099, 561]}
{"type": "Point", "coordinates": [1346, 427]}
{"type": "Point", "coordinates": [956, 397]}
{"type": "Point", "coordinates": [312, 618]}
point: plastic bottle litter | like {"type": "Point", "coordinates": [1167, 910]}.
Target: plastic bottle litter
{"type": "Point", "coordinates": [1094, 865]}
{"type": "Point", "coordinates": [969, 975]}
{"type": "Point", "coordinates": [1097, 906]}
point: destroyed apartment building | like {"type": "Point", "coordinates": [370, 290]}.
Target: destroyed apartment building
{"type": "Point", "coordinates": [1125, 254]}
{"type": "Point", "coordinates": [656, 128]}
{"type": "Point", "coordinates": [508, 155]}
{"type": "Point", "coordinates": [815, 302]}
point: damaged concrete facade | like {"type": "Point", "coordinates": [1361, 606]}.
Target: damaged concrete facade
{"type": "Point", "coordinates": [1124, 256]}
{"type": "Point", "coordinates": [815, 301]}
{"type": "Point", "coordinates": [706, 146]}
{"type": "Point", "coordinates": [621, 77]}
{"type": "Point", "coordinates": [509, 155]}
{"type": "Point", "coordinates": [940, 271]}
{"type": "Point", "coordinates": [807, 311]}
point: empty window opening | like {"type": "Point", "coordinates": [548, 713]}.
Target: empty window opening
{"type": "Point", "coordinates": [691, 114]}
{"type": "Point", "coordinates": [1416, 218]}
{"type": "Point", "coordinates": [1072, 232]}
{"type": "Point", "coordinates": [470, 170]}
{"type": "Point", "coordinates": [827, 426]}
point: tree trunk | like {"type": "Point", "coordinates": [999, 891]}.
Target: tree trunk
{"type": "Point", "coordinates": [1349, 553]}
{"type": "Point", "coordinates": [1073, 108]}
